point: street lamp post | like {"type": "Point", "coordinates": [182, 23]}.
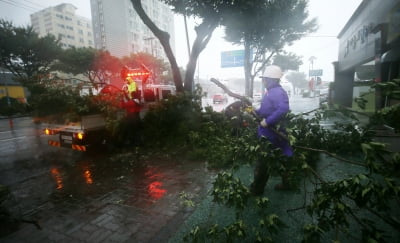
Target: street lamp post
{"type": "Point", "coordinates": [311, 59]}
{"type": "Point", "coordinates": [311, 79]}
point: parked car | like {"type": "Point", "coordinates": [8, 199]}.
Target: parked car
{"type": "Point", "coordinates": [220, 99]}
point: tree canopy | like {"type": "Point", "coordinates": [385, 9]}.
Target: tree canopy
{"type": "Point", "coordinates": [157, 66]}
{"type": "Point", "coordinates": [261, 26]}
{"type": "Point", "coordinates": [264, 28]}
{"type": "Point", "coordinates": [287, 61]}
{"type": "Point", "coordinates": [97, 65]}
{"type": "Point", "coordinates": [25, 54]}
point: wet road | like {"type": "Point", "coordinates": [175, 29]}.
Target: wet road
{"type": "Point", "coordinates": [81, 197]}
{"type": "Point", "coordinates": [77, 197]}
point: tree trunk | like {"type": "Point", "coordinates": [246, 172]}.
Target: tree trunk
{"type": "Point", "coordinates": [163, 37]}
{"type": "Point", "coordinates": [247, 69]}
{"type": "Point", "coordinates": [203, 35]}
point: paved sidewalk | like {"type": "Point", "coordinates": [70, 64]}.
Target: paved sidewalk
{"type": "Point", "coordinates": [142, 209]}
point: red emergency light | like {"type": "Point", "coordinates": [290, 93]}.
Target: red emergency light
{"type": "Point", "coordinates": [134, 73]}
{"type": "Point", "coordinates": [137, 74]}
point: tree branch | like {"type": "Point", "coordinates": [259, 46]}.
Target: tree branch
{"type": "Point", "coordinates": [230, 93]}
{"type": "Point", "coordinates": [281, 135]}
{"type": "Point", "coordinates": [330, 154]}
{"type": "Point", "coordinates": [163, 37]}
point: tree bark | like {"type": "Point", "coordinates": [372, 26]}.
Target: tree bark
{"type": "Point", "coordinates": [164, 38]}
{"type": "Point", "coordinates": [247, 69]}
{"type": "Point", "coordinates": [203, 35]}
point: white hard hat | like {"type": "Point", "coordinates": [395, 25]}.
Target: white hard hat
{"type": "Point", "coordinates": [272, 71]}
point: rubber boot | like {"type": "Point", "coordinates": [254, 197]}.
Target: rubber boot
{"type": "Point", "coordinates": [261, 175]}
{"type": "Point", "coordinates": [285, 185]}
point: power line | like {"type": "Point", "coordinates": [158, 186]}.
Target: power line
{"type": "Point", "coordinates": [34, 8]}
{"type": "Point", "coordinates": [321, 36]}
{"type": "Point", "coordinates": [33, 3]}
{"type": "Point", "coordinates": [19, 5]}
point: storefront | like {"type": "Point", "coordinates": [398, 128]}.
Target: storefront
{"type": "Point", "coordinates": [369, 40]}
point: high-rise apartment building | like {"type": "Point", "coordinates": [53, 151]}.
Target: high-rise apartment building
{"type": "Point", "coordinates": [61, 21]}
{"type": "Point", "coordinates": [118, 28]}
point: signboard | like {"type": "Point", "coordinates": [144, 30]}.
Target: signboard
{"type": "Point", "coordinates": [316, 72]}
{"type": "Point", "coordinates": [232, 58]}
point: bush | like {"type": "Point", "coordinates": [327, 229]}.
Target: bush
{"type": "Point", "coordinates": [168, 122]}
{"type": "Point", "coordinates": [13, 108]}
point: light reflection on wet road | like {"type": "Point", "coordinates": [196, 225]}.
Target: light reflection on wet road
{"type": "Point", "coordinates": [26, 157]}
{"type": "Point", "coordinates": [46, 180]}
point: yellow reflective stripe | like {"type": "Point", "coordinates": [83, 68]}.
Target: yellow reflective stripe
{"type": "Point", "coordinates": [132, 87]}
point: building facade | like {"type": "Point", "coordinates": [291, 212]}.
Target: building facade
{"type": "Point", "coordinates": [119, 29]}
{"type": "Point", "coordinates": [10, 88]}
{"type": "Point", "coordinates": [369, 40]}
{"type": "Point", "coordinates": [62, 22]}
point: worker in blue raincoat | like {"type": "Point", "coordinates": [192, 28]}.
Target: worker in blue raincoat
{"type": "Point", "coordinates": [274, 107]}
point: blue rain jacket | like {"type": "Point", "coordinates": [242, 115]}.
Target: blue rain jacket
{"type": "Point", "coordinates": [274, 106]}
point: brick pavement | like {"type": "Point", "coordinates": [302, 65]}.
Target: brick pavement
{"type": "Point", "coordinates": [131, 212]}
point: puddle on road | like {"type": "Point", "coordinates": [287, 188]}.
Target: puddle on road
{"type": "Point", "coordinates": [63, 180]}
{"type": "Point", "coordinates": [136, 183]}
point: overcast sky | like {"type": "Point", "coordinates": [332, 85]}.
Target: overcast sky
{"type": "Point", "coordinates": [332, 15]}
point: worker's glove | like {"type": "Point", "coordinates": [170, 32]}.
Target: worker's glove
{"type": "Point", "coordinates": [263, 123]}
{"type": "Point", "coordinates": [249, 109]}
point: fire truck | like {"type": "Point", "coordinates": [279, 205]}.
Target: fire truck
{"type": "Point", "coordinates": [89, 131]}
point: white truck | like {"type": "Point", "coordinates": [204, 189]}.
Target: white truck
{"type": "Point", "coordinates": [88, 132]}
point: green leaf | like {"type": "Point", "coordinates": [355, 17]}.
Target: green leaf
{"type": "Point", "coordinates": [365, 191]}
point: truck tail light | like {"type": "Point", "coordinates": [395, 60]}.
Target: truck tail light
{"type": "Point", "coordinates": [48, 131]}
{"type": "Point", "coordinates": [79, 135]}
